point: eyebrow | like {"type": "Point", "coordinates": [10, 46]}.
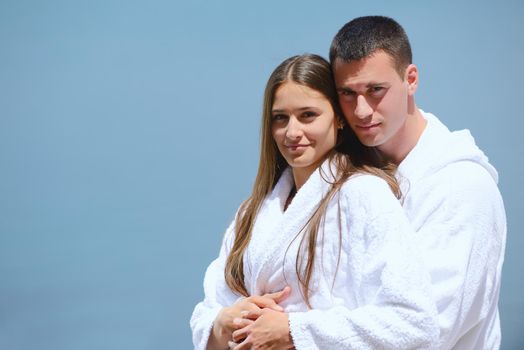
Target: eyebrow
{"type": "Point", "coordinates": [377, 83]}
{"type": "Point", "coordinates": [368, 85]}
{"type": "Point", "coordinates": [298, 109]}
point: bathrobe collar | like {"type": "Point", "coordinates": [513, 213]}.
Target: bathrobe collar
{"type": "Point", "coordinates": [275, 229]}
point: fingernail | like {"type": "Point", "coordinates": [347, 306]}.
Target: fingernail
{"type": "Point", "coordinates": [244, 313]}
{"type": "Point", "coordinates": [237, 320]}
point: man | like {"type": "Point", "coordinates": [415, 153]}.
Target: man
{"type": "Point", "coordinates": [449, 189]}
{"type": "Point", "coordinates": [450, 192]}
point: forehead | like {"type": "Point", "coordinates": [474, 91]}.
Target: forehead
{"type": "Point", "coordinates": [376, 68]}
{"type": "Point", "coordinates": [294, 95]}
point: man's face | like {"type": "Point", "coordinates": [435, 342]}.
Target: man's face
{"type": "Point", "coordinates": [374, 99]}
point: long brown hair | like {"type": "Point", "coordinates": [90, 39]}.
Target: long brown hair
{"type": "Point", "coordinates": [349, 157]}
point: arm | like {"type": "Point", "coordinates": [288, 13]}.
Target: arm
{"type": "Point", "coordinates": [460, 222]}
{"type": "Point", "coordinates": [216, 296]}
{"type": "Point", "coordinates": [213, 319]}
{"type": "Point", "coordinates": [395, 310]}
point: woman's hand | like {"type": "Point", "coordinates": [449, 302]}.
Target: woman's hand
{"type": "Point", "coordinates": [265, 329]}
{"type": "Point", "coordinates": [230, 318]}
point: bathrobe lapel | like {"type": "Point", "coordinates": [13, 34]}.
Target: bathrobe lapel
{"type": "Point", "coordinates": [275, 231]}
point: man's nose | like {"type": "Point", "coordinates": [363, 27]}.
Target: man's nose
{"type": "Point", "coordinates": [363, 109]}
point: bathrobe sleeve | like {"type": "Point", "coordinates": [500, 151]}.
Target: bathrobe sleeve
{"type": "Point", "coordinates": [460, 221]}
{"type": "Point", "coordinates": [395, 309]}
{"type": "Point", "coordinates": [216, 294]}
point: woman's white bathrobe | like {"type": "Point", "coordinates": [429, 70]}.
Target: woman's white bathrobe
{"type": "Point", "coordinates": [377, 299]}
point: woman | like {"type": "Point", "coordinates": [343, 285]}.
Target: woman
{"type": "Point", "coordinates": [320, 253]}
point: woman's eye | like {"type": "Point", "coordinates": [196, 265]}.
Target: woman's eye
{"type": "Point", "coordinates": [279, 117]}
{"type": "Point", "coordinates": [309, 114]}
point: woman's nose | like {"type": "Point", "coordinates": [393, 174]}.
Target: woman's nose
{"type": "Point", "coordinates": [294, 129]}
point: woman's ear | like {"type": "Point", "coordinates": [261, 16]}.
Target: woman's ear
{"type": "Point", "coordinates": [340, 123]}
{"type": "Point", "coordinates": [411, 78]}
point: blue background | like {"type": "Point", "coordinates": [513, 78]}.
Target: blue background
{"type": "Point", "coordinates": [129, 136]}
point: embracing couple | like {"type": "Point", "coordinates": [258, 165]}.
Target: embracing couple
{"type": "Point", "coordinates": [370, 224]}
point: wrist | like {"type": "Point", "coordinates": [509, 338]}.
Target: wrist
{"type": "Point", "coordinates": [219, 334]}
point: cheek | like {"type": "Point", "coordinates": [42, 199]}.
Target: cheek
{"type": "Point", "coordinates": [347, 108]}
{"type": "Point", "coordinates": [278, 139]}
{"type": "Point", "coordinates": [275, 133]}
{"type": "Point", "coordinates": [399, 97]}
{"type": "Point", "coordinates": [328, 137]}
{"type": "Point", "coordinates": [392, 105]}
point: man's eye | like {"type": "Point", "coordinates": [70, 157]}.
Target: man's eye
{"type": "Point", "coordinates": [377, 91]}
{"type": "Point", "coordinates": [347, 95]}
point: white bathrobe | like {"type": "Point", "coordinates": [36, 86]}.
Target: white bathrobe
{"type": "Point", "coordinates": [378, 298]}
{"type": "Point", "coordinates": [452, 201]}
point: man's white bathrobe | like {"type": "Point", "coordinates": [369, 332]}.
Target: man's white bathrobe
{"type": "Point", "coordinates": [452, 201]}
{"type": "Point", "coordinates": [379, 296]}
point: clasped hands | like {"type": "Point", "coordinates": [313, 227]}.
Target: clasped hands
{"type": "Point", "coordinates": [255, 322]}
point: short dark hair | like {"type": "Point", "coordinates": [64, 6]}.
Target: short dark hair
{"type": "Point", "coordinates": [363, 36]}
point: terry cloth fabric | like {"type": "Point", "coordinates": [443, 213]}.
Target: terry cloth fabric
{"type": "Point", "coordinates": [379, 296]}
{"type": "Point", "coordinates": [451, 198]}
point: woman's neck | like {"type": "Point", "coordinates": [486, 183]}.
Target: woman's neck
{"type": "Point", "coordinates": [300, 175]}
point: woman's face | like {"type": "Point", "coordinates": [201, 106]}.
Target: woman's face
{"type": "Point", "coordinates": [303, 126]}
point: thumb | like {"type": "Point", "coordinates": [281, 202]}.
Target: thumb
{"type": "Point", "coordinates": [280, 296]}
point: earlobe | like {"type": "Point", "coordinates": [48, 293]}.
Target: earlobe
{"type": "Point", "coordinates": [412, 78]}
{"type": "Point", "coordinates": [340, 123]}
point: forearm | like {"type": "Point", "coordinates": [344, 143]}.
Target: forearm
{"type": "Point", "coordinates": [369, 327]}
{"type": "Point", "coordinates": [218, 338]}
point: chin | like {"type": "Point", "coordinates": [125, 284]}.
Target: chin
{"type": "Point", "coordinates": [298, 165]}
{"type": "Point", "coordinates": [370, 142]}
{"type": "Point", "coordinates": [367, 143]}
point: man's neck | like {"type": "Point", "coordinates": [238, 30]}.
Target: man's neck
{"type": "Point", "coordinates": [399, 146]}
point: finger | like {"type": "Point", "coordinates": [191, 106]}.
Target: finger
{"type": "Point", "coordinates": [249, 304]}
{"type": "Point", "coordinates": [279, 296]}
{"type": "Point", "coordinates": [231, 345]}
{"type": "Point", "coordinates": [251, 315]}
{"type": "Point", "coordinates": [239, 322]}
{"type": "Point", "coordinates": [240, 334]}
{"type": "Point", "coordinates": [266, 302]}
{"type": "Point", "coordinates": [245, 345]}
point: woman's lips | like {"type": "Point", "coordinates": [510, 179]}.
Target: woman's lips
{"type": "Point", "coordinates": [296, 147]}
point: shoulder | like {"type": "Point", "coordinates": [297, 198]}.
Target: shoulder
{"type": "Point", "coordinates": [463, 180]}
{"type": "Point", "coordinates": [462, 192]}
{"type": "Point", "coordinates": [369, 192]}
{"type": "Point", "coordinates": [371, 209]}
{"type": "Point", "coordinates": [366, 184]}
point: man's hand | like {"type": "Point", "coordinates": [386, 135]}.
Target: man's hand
{"type": "Point", "coordinates": [263, 329]}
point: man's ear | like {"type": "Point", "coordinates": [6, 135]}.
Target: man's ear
{"type": "Point", "coordinates": [411, 78]}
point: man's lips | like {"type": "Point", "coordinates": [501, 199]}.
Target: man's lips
{"type": "Point", "coordinates": [367, 126]}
